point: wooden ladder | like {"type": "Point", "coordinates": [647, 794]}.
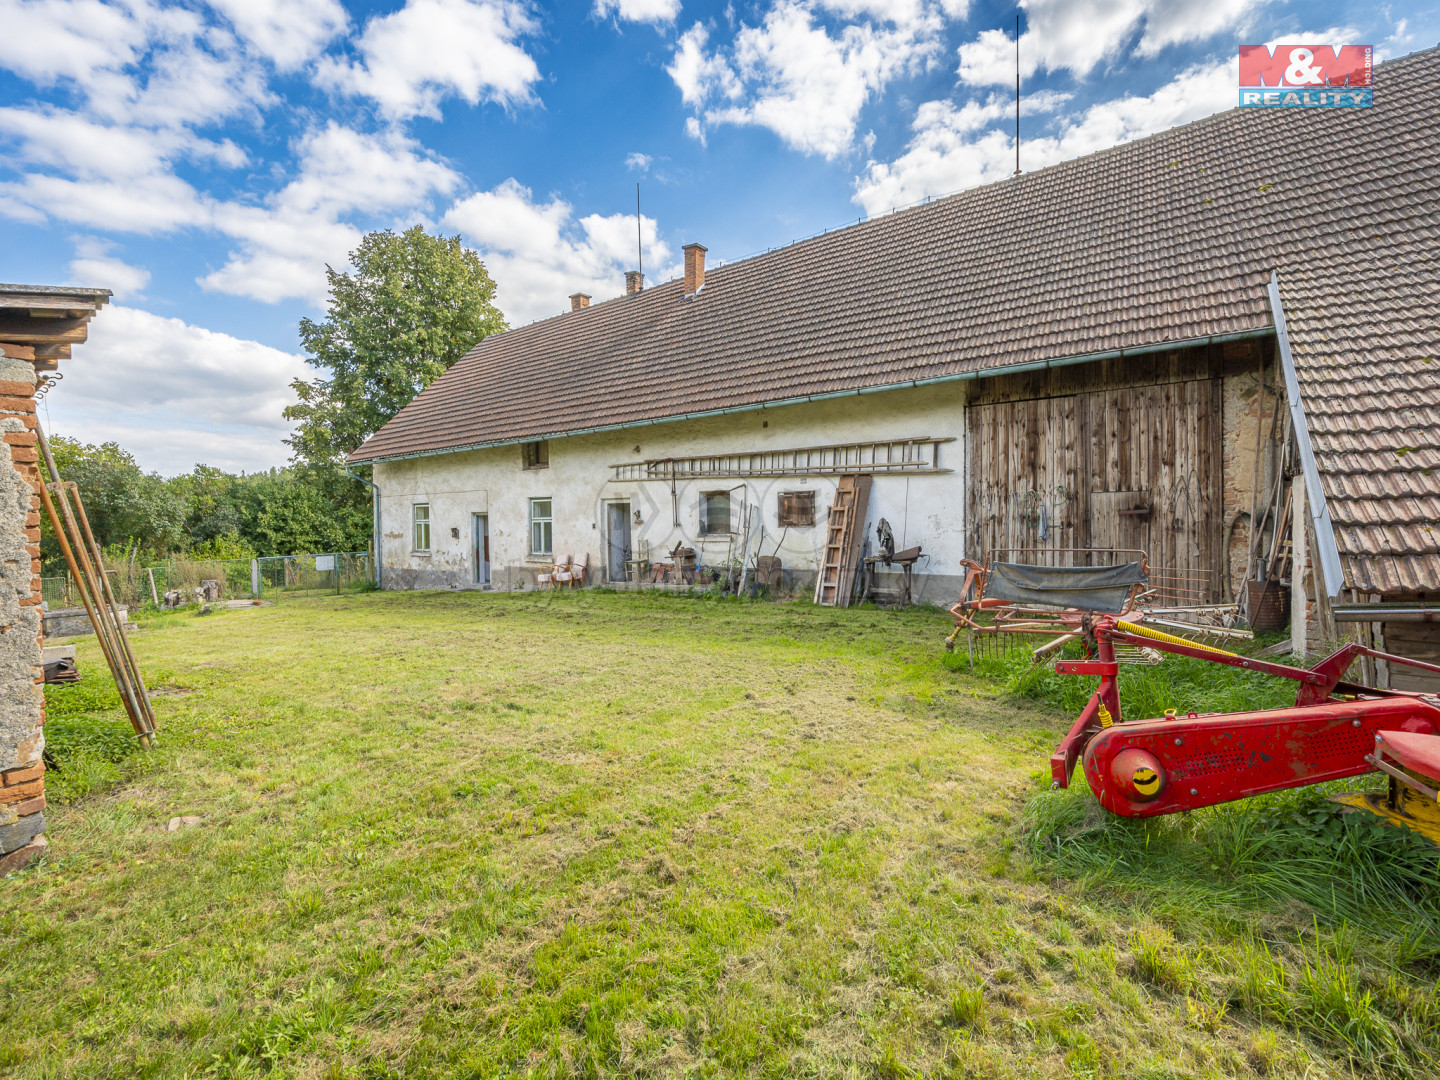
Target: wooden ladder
{"type": "Point", "coordinates": [844, 534]}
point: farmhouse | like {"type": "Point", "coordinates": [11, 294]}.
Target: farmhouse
{"type": "Point", "coordinates": [1170, 346]}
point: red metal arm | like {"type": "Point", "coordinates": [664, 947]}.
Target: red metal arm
{"type": "Point", "coordinates": [1180, 763]}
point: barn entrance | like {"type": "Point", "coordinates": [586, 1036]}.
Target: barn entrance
{"type": "Point", "coordinates": [1076, 458]}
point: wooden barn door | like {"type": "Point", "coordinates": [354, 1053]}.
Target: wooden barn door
{"type": "Point", "coordinates": [1128, 467]}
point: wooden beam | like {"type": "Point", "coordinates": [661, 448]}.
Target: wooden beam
{"type": "Point", "coordinates": [76, 304]}
{"type": "Point", "coordinates": [23, 330]}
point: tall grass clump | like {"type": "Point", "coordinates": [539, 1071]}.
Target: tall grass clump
{"type": "Point", "coordinates": [1146, 690]}
{"type": "Point", "coordinates": [1289, 845]}
{"type": "Point", "coordinates": [1293, 845]}
{"type": "Point", "coordinates": [87, 735]}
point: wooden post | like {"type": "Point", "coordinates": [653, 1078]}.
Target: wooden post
{"type": "Point", "coordinates": [154, 594]}
{"type": "Point", "coordinates": [1299, 562]}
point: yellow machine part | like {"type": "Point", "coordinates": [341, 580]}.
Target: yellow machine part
{"type": "Point", "coordinates": [1160, 635]}
{"type": "Point", "coordinates": [1413, 810]}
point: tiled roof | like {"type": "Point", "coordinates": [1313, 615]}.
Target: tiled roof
{"type": "Point", "coordinates": [1366, 339]}
{"type": "Point", "coordinates": [1168, 239]}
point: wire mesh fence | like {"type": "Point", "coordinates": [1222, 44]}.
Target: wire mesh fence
{"type": "Point", "coordinates": [135, 585]}
{"type": "Point", "coordinates": [334, 572]}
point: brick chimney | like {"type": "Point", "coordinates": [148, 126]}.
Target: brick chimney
{"type": "Point", "coordinates": [579, 300]}
{"type": "Point", "coordinates": [634, 282]}
{"type": "Point", "coordinates": [694, 267]}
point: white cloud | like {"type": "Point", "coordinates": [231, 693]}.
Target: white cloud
{"type": "Point", "coordinates": [288, 32]}
{"type": "Point", "coordinates": [701, 77]}
{"type": "Point", "coordinates": [1176, 22]}
{"type": "Point", "coordinates": [891, 11]}
{"type": "Point", "coordinates": [50, 41]}
{"type": "Point", "coordinates": [414, 58]}
{"type": "Point", "coordinates": [955, 148]}
{"type": "Point", "coordinates": [286, 244]}
{"type": "Point", "coordinates": [1078, 35]}
{"type": "Point", "coordinates": [793, 76]}
{"type": "Point", "coordinates": [539, 254]}
{"type": "Point", "coordinates": [176, 394]}
{"type": "Point", "coordinates": [150, 76]}
{"type": "Point", "coordinates": [95, 267]}
{"type": "Point", "coordinates": [638, 161]}
{"type": "Point", "coordinates": [193, 71]}
{"type": "Point", "coordinates": [647, 11]}
{"type": "Point", "coordinates": [155, 202]}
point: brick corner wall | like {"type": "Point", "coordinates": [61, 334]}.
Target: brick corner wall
{"type": "Point", "coordinates": [22, 699]}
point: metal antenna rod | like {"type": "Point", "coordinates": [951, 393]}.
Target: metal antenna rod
{"type": "Point", "coordinates": [639, 249]}
{"type": "Point", "coordinates": [1017, 93]}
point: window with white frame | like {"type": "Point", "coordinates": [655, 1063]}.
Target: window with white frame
{"type": "Point", "coordinates": [542, 539]}
{"type": "Point", "coordinates": [420, 526]}
{"type": "Point", "coordinates": [714, 512]}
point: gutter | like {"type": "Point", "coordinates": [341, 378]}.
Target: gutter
{"type": "Point", "coordinates": [1391, 612]}
{"type": "Point", "coordinates": [1331, 572]}
{"type": "Point", "coordinates": [375, 514]}
{"type": "Point", "coordinates": [907, 384]}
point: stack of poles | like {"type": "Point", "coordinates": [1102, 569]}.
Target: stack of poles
{"type": "Point", "coordinates": [87, 569]}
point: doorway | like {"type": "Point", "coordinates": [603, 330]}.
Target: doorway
{"type": "Point", "coordinates": [481, 528]}
{"type": "Point", "coordinates": [617, 538]}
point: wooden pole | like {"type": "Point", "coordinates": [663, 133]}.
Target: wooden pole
{"type": "Point", "coordinates": [137, 684]}
{"type": "Point", "coordinates": [94, 590]}
{"type": "Point", "coordinates": [1299, 560]}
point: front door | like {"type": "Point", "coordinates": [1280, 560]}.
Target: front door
{"type": "Point", "coordinates": [481, 524]}
{"type": "Point", "coordinates": [617, 536]}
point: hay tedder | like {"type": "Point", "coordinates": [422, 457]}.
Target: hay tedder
{"type": "Point", "coordinates": [1141, 768]}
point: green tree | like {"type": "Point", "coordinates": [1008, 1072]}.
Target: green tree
{"type": "Point", "coordinates": [124, 504]}
{"type": "Point", "coordinates": [211, 512]}
{"type": "Point", "coordinates": [413, 305]}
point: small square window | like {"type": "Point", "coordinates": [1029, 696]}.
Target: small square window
{"type": "Point", "coordinates": [535, 455]}
{"type": "Point", "coordinates": [420, 526]}
{"type": "Point", "coordinates": [542, 538]}
{"type": "Point", "coordinates": [714, 512]}
{"type": "Point", "coordinates": [797, 509]}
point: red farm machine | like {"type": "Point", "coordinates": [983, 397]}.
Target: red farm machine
{"type": "Point", "coordinates": [1142, 768]}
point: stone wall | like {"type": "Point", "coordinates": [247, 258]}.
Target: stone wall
{"type": "Point", "coordinates": [22, 700]}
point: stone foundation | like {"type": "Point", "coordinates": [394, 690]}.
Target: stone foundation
{"type": "Point", "coordinates": [22, 699]}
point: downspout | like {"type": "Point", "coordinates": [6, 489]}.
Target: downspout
{"type": "Point", "coordinates": [1331, 574]}
{"type": "Point", "coordinates": [375, 501]}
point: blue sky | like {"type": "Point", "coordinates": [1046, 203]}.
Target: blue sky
{"type": "Point", "coordinates": [205, 161]}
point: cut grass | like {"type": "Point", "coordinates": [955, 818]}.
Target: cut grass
{"type": "Point", "coordinates": [463, 835]}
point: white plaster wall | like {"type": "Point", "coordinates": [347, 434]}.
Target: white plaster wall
{"type": "Point", "coordinates": [922, 509]}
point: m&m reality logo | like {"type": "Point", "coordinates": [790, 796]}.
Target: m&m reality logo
{"type": "Point", "coordinates": [1306, 76]}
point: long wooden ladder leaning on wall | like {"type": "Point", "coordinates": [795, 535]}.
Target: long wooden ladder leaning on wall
{"type": "Point", "coordinates": [844, 534]}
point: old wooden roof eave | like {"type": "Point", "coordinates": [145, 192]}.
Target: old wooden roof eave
{"type": "Point", "coordinates": [41, 322]}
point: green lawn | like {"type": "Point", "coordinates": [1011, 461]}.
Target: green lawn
{"type": "Point", "coordinates": [604, 835]}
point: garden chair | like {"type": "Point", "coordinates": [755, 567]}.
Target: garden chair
{"type": "Point", "coordinates": [548, 577]}
{"type": "Point", "coordinates": [573, 575]}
